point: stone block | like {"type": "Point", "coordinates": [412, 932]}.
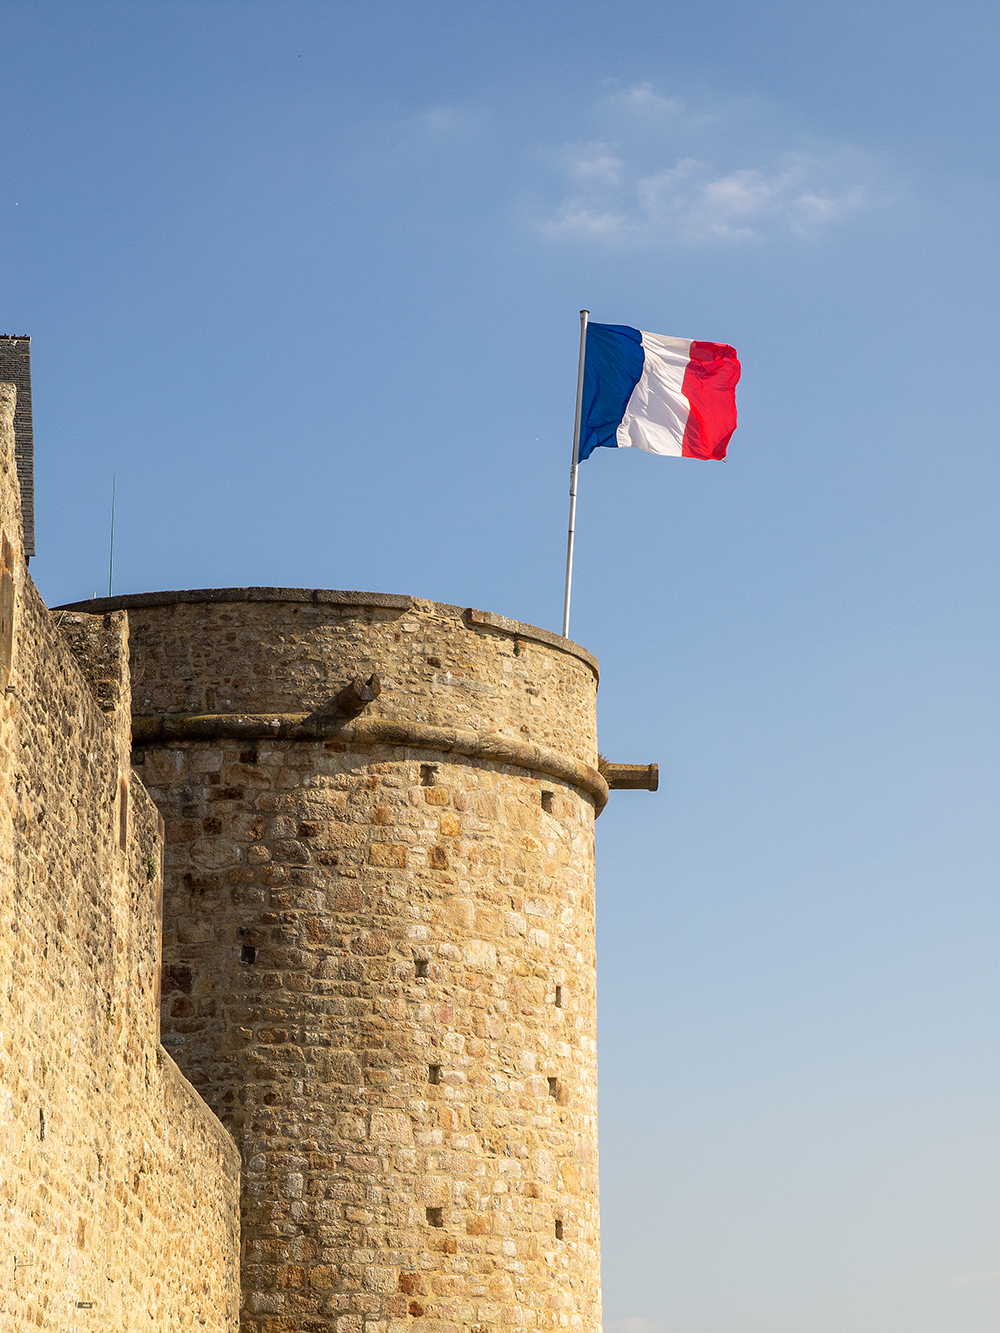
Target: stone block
{"type": "Point", "coordinates": [387, 855]}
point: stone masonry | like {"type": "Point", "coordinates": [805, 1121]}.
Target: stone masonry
{"type": "Point", "coordinates": [118, 1186]}
{"type": "Point", "coordinates": [379, 957]}
{"type": "Point", "coordinates": [334, 851]}
{"type": "Point", "coordinates": [15, 370]}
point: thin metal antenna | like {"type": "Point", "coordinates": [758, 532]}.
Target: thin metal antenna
{"type": "Point", "coordinates": [584, 320]}
{"type": "Point", "coordinates": [111, 559]}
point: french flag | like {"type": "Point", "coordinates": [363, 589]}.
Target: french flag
{"type": "Point", "coordinates": [664, 395]}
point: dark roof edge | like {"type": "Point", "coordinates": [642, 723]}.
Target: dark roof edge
{"type": "Point", "coordinates": [330, 596]}
{"type": "Point", "coordinates": [136, 600]}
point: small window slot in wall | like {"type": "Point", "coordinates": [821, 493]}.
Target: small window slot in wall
{"type": "Point", "coordinates": [428, 772]}
{"type": "Point", "coordinates": [553, 1087]}
{"type": "Point", "coordinates": [559, 999]}
{"type": "Point", "coordinates": [248, 954]}
{"type": "Point", "coordinates": [547, 802]}
{"type": "Point", "coordinates": [433, 1073]}
{"type": "Point", "coordinates": [559, 1228]}
{"type": "Point", "coordinates": [435, 1217]}
{"type": "Point", "coordinates": [421, 967]}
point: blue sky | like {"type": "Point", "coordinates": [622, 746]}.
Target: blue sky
{"type": "Point", "coordinates": [306, 278]}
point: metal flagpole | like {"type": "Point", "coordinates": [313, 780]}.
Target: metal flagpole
{"type": "Point", "coordinates": [584, 318]}
{"type": "Point", "coordinates": [111, 557]}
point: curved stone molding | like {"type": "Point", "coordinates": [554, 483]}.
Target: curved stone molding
{"type": "Point", "coordinates": [375, 731]}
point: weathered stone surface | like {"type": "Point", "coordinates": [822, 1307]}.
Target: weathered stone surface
{"type": "Point", "coordinates": [100, 646]}
{"type": "Point", "coordinates": [381, 959]}
{"type": "Point", "coordinates": [118, 1187]}
{"type": "Point", "coordinates": [328, 607]}
{"type": "Point", "coordinates": [15, 371]}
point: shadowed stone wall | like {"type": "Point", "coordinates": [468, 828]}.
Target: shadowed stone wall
{"type": "Point", "coordinates": [15, 370]}
{"type": "Point", "coordinates": [118, 1187]}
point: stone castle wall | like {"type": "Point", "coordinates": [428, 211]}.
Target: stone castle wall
{"type": "Point", "coordinates": [358, 829]}
{"type": "Point", "coordinates": [379, 959]}
{"type": "Point", "coordinates": [15, 370]}
{"type": "Point", "coordinates": [118, 1187]}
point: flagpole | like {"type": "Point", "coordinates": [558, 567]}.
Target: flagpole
{"type": "Point", "coordinates": [584, 318]}
{"type": "Point", "coordinates": [111, 557]}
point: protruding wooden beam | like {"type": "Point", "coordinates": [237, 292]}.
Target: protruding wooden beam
{"type": "Point", "coordinates": [355, 697]}
{"type": "Point", "coordinates": [631, 777]}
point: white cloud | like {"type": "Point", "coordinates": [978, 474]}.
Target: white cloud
{"type": "Point", "coordinates": [576, 221]}
{"type": "Point", "coordinates": [642, 99]}
{"type": "Point", "coordinates": [593, 163]}
{"type": "Point", "coordinates": [649, 111]}
{"type": "Point", "coordinates": [618, 193]}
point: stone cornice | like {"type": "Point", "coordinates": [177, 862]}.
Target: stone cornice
{"type": "Point", "coordinates": [371, 731]}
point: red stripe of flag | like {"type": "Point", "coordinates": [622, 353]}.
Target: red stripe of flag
{"type": "Point", "coordinates": [710, 387]}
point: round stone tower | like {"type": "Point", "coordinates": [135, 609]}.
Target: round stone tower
{"type": "Point", "coordinates": [378, 947]}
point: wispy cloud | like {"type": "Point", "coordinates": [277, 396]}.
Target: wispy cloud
{"type": "Point", "coordinates": [592, 164]}
{"type": "Point", "coordinates": [616, 192]}
{"type": "Point", "coordinates": [642, 102]}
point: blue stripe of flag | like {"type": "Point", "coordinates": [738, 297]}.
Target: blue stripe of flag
{"type": "Point", "coordinates": [612, 368]}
